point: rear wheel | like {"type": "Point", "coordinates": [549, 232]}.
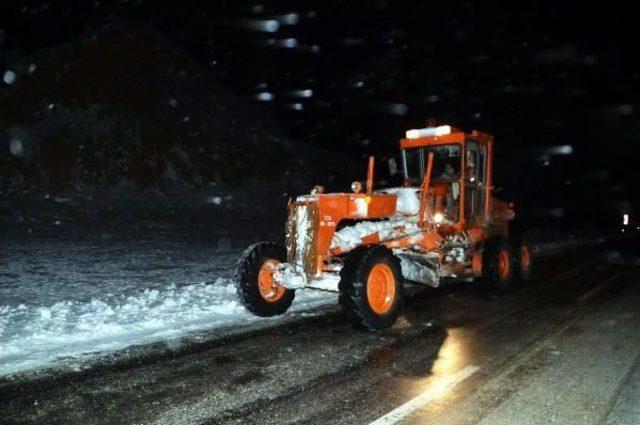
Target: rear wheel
{"type": "Point", "coordinates": [497, 263]}
{"type": "Point", "coordinates": [523, 261]}
{"type": "Point", "coordinates": [255, 285]}
{"type": "Point", "coordinates": [371, 288]}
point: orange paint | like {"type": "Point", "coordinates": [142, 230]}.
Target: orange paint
{"type": "Point", "coordinates": [427, 239]}
{"type": "Point", "coordinates": [269, 289]}
{"type": "Point", "coordinates": [476, 263]}
{"type": "Point", "coordinates": [381, 288]}
{"type": "Point", "coordinates": [370, 175]}
{"type": "Point", "coordinates": [424, 191]}
{"type": "Point", "coordinates": [525, 258]}
{"type": "Point", "coordinates": [504, 264]}
{"type": "Point", "coordinates": [371, 239]}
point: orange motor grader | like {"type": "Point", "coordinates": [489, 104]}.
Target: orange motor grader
{"type": "Point", "coordinates": [443, 223]}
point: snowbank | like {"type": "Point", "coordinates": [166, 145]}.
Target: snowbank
{"type": "Point", "coordinates": [38, 336]}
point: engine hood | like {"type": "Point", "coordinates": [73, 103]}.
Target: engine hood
{"type": "Point", "coordinates": [337, 206]}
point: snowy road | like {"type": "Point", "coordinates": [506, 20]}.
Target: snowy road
{"type": "Point", "coordinates": [64, 299]}
{"type": "Point", "coordinates": [566, 350]}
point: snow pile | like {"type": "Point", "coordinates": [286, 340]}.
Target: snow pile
{"type": "Point", "coordinates": [350, 237]}
{"type": "Point", "coordinates": [36, 336]}
{"type": "Point", "coordinates": [415, 269]}
{"type": "Point", "coordinates": [408, 202]}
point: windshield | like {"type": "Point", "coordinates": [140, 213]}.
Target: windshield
{"type": "Point", "coordinates": [446, 163]}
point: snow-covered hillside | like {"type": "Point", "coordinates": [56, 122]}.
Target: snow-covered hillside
{"type": "Point", "coordinates": [125, 104]}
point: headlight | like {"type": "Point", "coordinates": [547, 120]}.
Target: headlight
{"type": "Point", "coordinates": [438, 217]}
{"type": "Point", "coordinates": [356, 187]}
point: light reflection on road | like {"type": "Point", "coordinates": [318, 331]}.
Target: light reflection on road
{"type": "Point", "coordinates": [450, 368]}
{"type": "Point", "coordinates": [453, 354]}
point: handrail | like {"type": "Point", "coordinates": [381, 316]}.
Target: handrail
{"type": "Point", "coordinates": [424, 188]}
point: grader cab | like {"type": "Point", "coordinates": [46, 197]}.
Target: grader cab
{"type": "Point", "coordinates": [442, 224]}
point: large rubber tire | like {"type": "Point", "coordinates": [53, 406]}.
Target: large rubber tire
{"type": "Point", "coordinates": [497, 263]}
{"type": "Point", "coordinates": [523, 261]}
{"type": "Point", "coordinates": [369, 275]}
{"type": "Point", "coordinates": [246, 279]}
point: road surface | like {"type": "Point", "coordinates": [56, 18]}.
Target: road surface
{"type": "Point", "coordinates": [564, 350]}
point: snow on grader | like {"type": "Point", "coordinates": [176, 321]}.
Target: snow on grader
{"type": "Point", "coordinates": [442, 224]}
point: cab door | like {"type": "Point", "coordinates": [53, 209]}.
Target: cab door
{"type": "Point", "coordinates": [475, 181]}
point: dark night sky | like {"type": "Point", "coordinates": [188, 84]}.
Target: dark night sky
{"type": "Point", "coordinates": [353, 75]}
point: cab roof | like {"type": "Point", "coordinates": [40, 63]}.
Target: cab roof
{"type": "Point", "coordinates": [455, 136]}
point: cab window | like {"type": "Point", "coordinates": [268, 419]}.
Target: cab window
{"type": "Point", "coordinates": [446, 163]}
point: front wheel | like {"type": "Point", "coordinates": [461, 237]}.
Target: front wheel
{"type": "Point", "coordinates": [255, 285]}
{"type": "Point", "coordinates": [371, 287]}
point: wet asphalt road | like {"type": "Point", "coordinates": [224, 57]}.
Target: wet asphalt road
{"type": "Point", "coordinates": [564, 350]}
